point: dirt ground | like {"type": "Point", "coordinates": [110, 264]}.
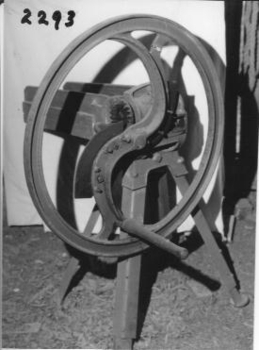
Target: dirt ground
{"type": "Point", "coordinates": [185, 307]}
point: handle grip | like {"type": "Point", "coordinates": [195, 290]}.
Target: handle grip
{"type": "Point", "coordinates": [140, 231]}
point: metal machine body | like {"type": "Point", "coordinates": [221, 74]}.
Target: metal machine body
{"type": "Point", "coordinates": [133, 138]}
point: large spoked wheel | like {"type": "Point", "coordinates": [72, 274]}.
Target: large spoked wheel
{"type": "Point", "coordinates": [138, 138]}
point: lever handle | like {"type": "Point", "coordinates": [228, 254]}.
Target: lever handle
{"type": "Point", "coordinates": [136, 229]}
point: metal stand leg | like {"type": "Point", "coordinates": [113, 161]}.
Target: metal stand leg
{"type": "Point", "coordinates": [202, 225]}
{"type": "Point", "coordinates": [72, 268]}
{"type": "Point", "coordinates": [74, 263]}
{"type": "Point", "coordinates": [125, 320]}
{"type": "Point", "coordinates": [126, 303]}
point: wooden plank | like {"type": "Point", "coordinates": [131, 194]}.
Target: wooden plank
{"type": "Point", "coordinates": [79, 89]}
{"type": "Point", "coordinates": [70, 112]}
{"type": "Point", "coordinates": [79, 125]}
{"type": "Point", "coordinates": [76, 109]}
{"type": "Point", "coordinates": [60, 96]}
{"type": "Point", "coordinates": [97, 88]}
{"type": "Point", "coordinates": [86, 102]}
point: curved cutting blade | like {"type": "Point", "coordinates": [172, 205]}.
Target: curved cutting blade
{"type": "Point", "coordinates": [83, 188]}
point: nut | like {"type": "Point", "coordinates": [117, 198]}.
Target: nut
{"type": "Point", "coordinates": [100, 178]}
{"type": "Point", "coordinates": [180, 160]}
{"type": "Point", "coordinates": [157, 48]}
{"type": "Point", "coordinates": [97, 189]}
{"type": "Point", "coordinates": [157, 157]}
{"type": "Point", "coordinates": [126, 138]}
{"type": "Point", "coordinates": [109, 149]}
{"type": "Point", "coordinates": [140, 141]}
{"type": "Point", "coordinates": [97, 169]}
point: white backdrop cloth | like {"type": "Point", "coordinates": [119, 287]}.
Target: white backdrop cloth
{"type": "Point", "coordinates": [29, 51]}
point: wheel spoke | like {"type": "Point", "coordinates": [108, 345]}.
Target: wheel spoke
{"type": "Point", "coordinates": [108, 230]}
{"type": "Point", "coordinates": [175, 74]}
{"type": "Point", "coordinates": [95, 214]}
{"type": "Point", "coordinates": [155, 50]}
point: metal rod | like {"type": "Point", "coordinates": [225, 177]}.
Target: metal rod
{"type": "Point", "coordinates": [136, 229]}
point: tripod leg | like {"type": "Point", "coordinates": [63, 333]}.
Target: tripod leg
{"type": "Point", "coordinates": [126, 303]}
{"type": "Point", "coordinates": [125, 320]}
{"type": "Point", "coordinates": [202, 225]}
{"type": "Point", "coordinates": [74, 263]}
{"type": "Point", "coordinates": [72, 268]}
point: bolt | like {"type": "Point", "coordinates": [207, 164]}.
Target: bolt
{"type": "Point", "coordinates": [157, 157]}
{"type": "Point", "coordinates": [109, 149]}
{"type": "Point", "coordinates": [177, 122]}
{"type": "Point", "coordinates": [140, 141]}
{"type": "Point", "coordinates": [157, 48]}
{"type": "Point", "coordinates": [97, 127]}
{"type": "Point", "coordinates": [180, 160]}
{"type": "Point", "coordinates": [100, 178]}
{"type": "Point", "coordinates": [97, 169]}
{"type": "Point", "coordinates": [134, 173]}
{"type": "Point", "coordinates": [170, 112]}
{"type": "Point", "coordinates": [97, 189]}
{"type": "Point", "coordinates": [126, 138]}
{"type": "Point", "coordinates": [180, 111]}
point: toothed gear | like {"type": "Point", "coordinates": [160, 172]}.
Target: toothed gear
{"type": "Point", "coordinates": [119, 109]}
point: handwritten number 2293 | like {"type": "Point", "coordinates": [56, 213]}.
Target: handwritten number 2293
{"type": "Point", "coordinates": [56, 16]}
